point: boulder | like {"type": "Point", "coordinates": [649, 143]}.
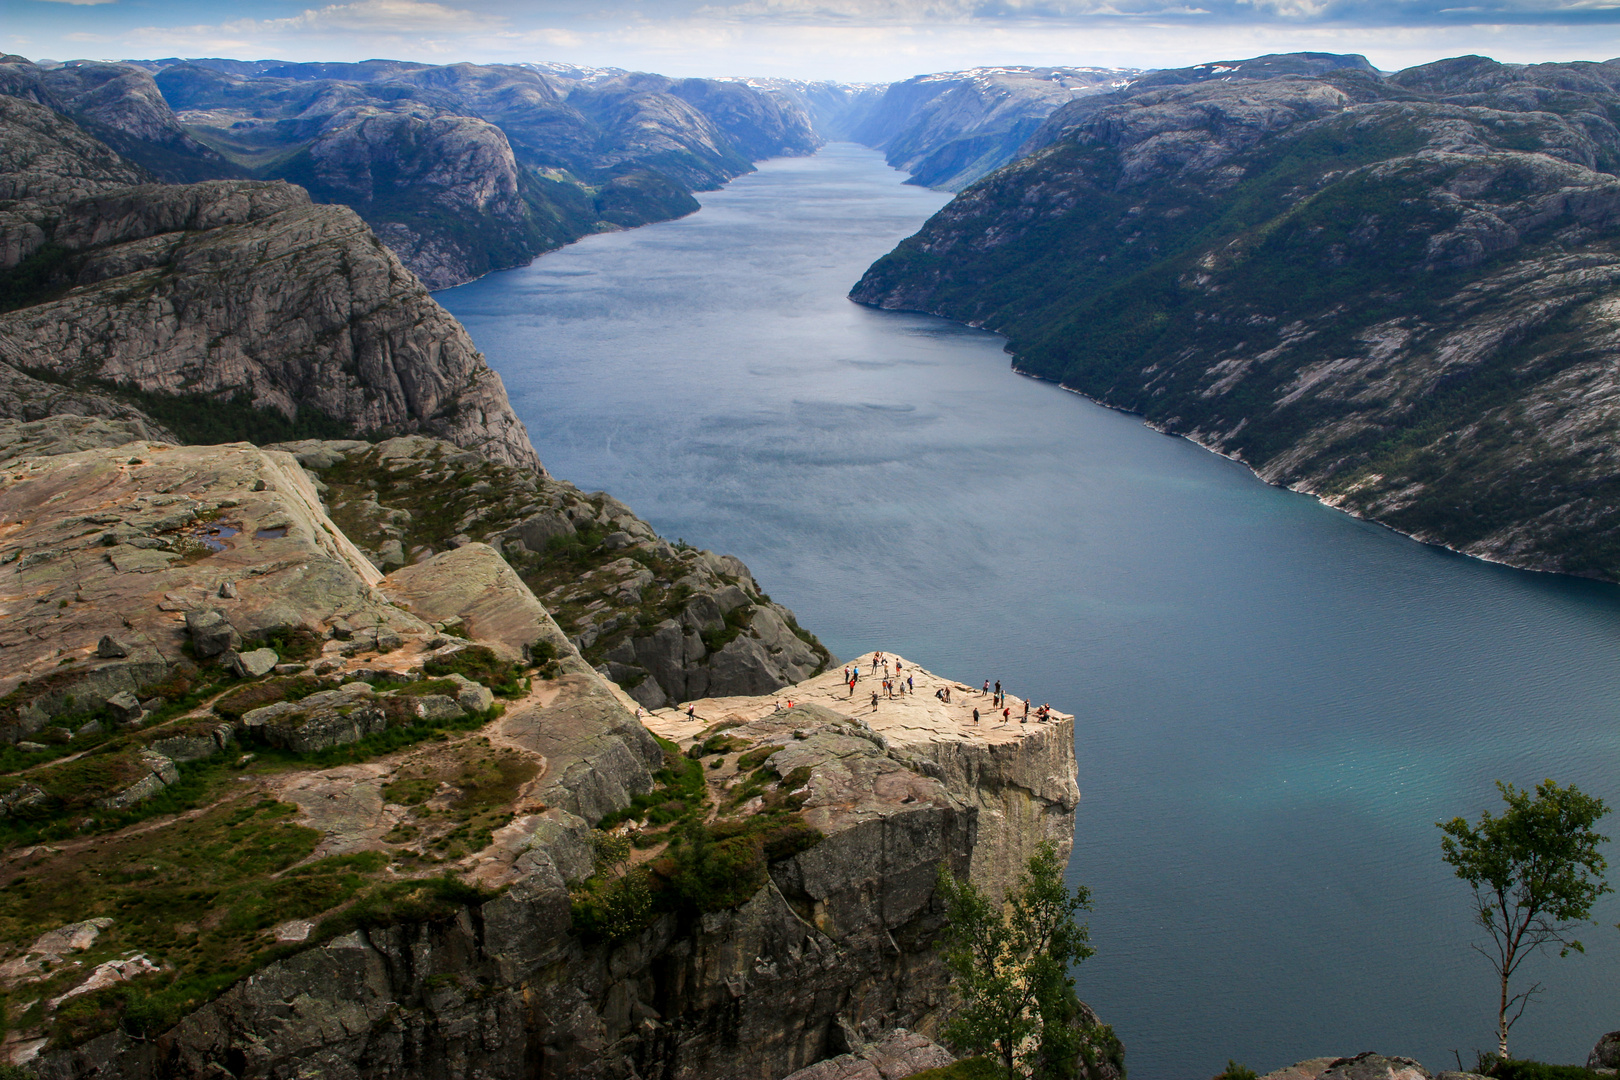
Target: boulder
{"type": "Point", "coordinates": [211, 633]}
{"type": "Point", "coordinates": [474, 697]}
{"type": "Point", "coordinates": [110, 649]}
{"type": "Point", "coordinates": [1606, 1054]}
{"type": "Point", "coordinates": [125, 708]}
{"type": "Point", "coordinates": [251, 665]}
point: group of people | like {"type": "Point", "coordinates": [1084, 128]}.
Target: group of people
{"type": "Point", "coordinates": [893, 683]}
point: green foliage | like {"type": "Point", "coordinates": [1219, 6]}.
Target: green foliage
{"type": "Point", "coordinates": [612, 851]}
{"type": "Point", "coordinates": [681, 794]}
{"type": "Point", "coordinates": [417, 901]}
{"type": "Point", "coordinates": [480, 664]}
{"type": "Point", "coordinates": [1011, 966]}
{"type": "Point", "coordinates": [40, 277]}
{"type": "Point", "coordinates": [1234, 1071]}
{"type": "Point", "coordinates": [613, 908]}
{"type": "Point", "coordinates": [206, 419]}
{"type": "Point", "coordinates": [1511, 1069]}
{"type": "Point", "coordinates": [256, 695]}
{"type": "Point", "coordinates": [1535, 871]}
{"type": "Point", "coordinates": [973, 1068]}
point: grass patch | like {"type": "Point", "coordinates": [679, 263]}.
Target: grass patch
{"type": "Point", "coordinates": [480, 664]}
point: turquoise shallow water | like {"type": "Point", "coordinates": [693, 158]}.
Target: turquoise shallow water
{"type": "Point", "coordinates": [1275, 702]}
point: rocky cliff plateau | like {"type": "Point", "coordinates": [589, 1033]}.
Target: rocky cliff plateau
{"type": "Point", "coordinates": [1397, 294]}
{"type": "Point", "coordinates": [270, 811]}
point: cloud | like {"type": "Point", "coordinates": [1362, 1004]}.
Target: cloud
{"type": "Point", "coordinates": [1391, 13]}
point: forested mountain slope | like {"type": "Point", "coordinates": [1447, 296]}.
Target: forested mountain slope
{"type": "Point", "coordinates": [1400, 294]}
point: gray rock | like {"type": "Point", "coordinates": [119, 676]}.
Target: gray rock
{"type": "Point", "coordinates": [431, 707]}
{"type": "Point", "coordinates": [1606, 1054]}
{"type": "Point", "coordinates": [251, 665]}
{"type": "Point", "coordinates": [110, 649]}
{"type": "Point", "coordinates": [125, 707]}
{"type": "Point", "coordinates": [22, 798]}
{"type": "Point", "coordinates": [211, 633]}
{"type": "Point", "coordinates": [473, 697]}
{"type": "Point", "coordinates": [898, 1054]}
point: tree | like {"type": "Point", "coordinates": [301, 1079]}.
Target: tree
{"type": "Point", "coordinates": [1536, 872]}
{"type": "Point", "coordinates": [1011, 965]}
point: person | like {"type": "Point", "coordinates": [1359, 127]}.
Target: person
{"type": "Point", "coordinates": [852, 688]}
{"type": "Point", "coordinates": [911, 685]}
{"type": "Point", "coordinates": [998, 688]}
{"type": "Point", "coordinates": [898, 667]}
{"type": "Point", "coordinates": [638, 714]}
{"type": "Point", "coordinates": [874, 701]}
{"type": "Point", "coordinates": [987, 686]}
{"type": "Point", "coordinates": [1026, 710]}
{"type": "Point", "coordinates": [940, 694]}
{"type": "Point", "coordinates": [846, 673]}
{"type": "Point", "coordinates": [975, 714]}
{"type": "Point", "coordinates": [691, 712]}
{"type": "Point", "coordinates": [1006, 714]}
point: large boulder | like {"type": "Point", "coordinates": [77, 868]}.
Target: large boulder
{"type": "Point", "coordinates": [1606, 1054]}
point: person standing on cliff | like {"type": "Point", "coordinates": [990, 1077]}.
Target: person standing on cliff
{"type": "Point", "coordinates": [1026, 710]}
{"type": "Point", "coordinates": [911, 685]}
{"type": "Point", "coordinates": [998, 688]}
{"type": "Point", "coordinates": [987, 687]}
{"type": "Point", "coordinates": [975, 714]}
{"type": "Point", "coordinates": [874, 701]}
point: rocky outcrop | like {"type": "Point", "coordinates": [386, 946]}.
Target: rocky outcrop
{"type": "Point", "coordinates": [666, 623]}
{"type": "Point", "coordinates": [1397, 295]}
{"type": "Point", "coordinates": [1606, 1054]}
{"type": "Point", "coordinates": [163, 297]}
{"type": "Point", "coordinates": [1364, 1066]}
{"type": "Point", "coordinates": [951, 128]}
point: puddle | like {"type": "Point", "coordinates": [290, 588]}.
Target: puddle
{"type": "Point", "coordinates": [215, 537]}
{"type": "Point", "coordinates": [271, 534]}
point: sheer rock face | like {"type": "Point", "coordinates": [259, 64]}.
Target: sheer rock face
{"type": "Point", "coordinates": [230, 287]}
{"type": "Point", "coordinates": [832, 953]}
{"type": "Point", "coordinates": [1399, 295]}
{"type": "Point", "coordinates": [952, 128]}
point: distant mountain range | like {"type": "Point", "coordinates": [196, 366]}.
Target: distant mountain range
{"type": "Point", "coordinates": [463, 169]}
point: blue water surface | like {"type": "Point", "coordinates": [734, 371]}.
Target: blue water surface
{"type": "Point", "coordinates": [1275, 702]}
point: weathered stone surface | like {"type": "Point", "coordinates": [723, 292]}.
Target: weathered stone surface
{"type": "Point", "coordinates": [251, 665]}
{"type": "Point", "coordinates": [211, 633]}
{"type": "Point", "coordinates": [1606, 1054]}
{"type": "Point", "coordinates": [293, 569]}
{"type": "Point", "coordinates": [109, 648]}
{"type": "Point", "coordinates": [125, 706]}
{"type": "Point", "coordinates": [474, 584]}
{"type": "Point", "coordinates": [897, 1055]}
{"type": "Point", "coordinates": [227, 286]}
{"type": "Point", "coordinates": [330, 718]}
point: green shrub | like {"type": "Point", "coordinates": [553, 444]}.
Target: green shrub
{"type": "Point", "coordinates": [1234, 1071]}
{"type": "Point", "coordinates": [480, 664]}
{"type": "Point", "coordinates": [1513, 1069]}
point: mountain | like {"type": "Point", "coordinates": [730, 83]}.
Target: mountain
{"type": "Point", "coordinates": [951, 128]}
{"type": "Point", "coordinates": [147, 300]}
{"type": "Point", "coordinates": [1398, 294]}
{"type": "Point", "coordinates": [462, 169]}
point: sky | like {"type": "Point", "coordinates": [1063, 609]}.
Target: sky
{"type": "Point", "coordinates": [847, 40]}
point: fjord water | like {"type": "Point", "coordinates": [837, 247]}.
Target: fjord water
{"type": "Point", "coordinates": [1275, 702]}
